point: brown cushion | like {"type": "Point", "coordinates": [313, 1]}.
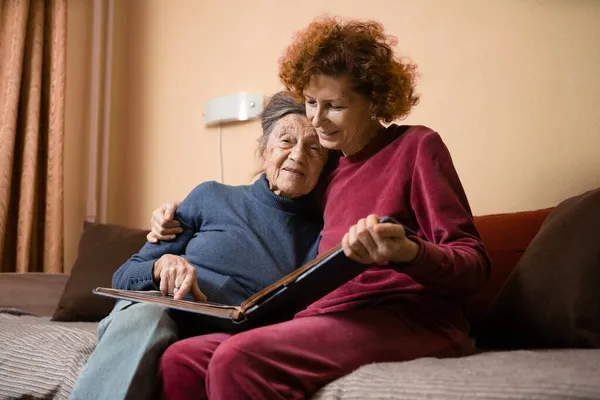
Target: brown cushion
{"type": "Point", "coordinates": [103, 248]}
{"type": "Point", "coordinates": [506, 237]}
{"type": "Point", "coordinates": [552, 297]}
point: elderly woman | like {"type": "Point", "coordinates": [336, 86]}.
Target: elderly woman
{"type": "Point", "coordinates": [236, 240]}
{"type": "Point", "coordinates": [410, 303]}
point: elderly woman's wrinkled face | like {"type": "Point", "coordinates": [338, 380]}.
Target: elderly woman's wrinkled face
{"type": "Point", "coordinates": [341, 116]}
{"type": "Point", "coordinates": [293, 158]}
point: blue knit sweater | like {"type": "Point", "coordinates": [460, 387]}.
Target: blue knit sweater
{"type": "Point", "coordinates": [240, 239]}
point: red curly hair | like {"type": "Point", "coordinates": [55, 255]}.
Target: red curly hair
{"type": "Point", "coordinates": [359, 49]}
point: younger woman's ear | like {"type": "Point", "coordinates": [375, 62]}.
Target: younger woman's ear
{"type": "Point", "coordinates": [371, 108]}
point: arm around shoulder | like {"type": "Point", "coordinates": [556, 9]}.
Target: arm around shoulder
{"type": "Point", "coordinates": [137, 272]}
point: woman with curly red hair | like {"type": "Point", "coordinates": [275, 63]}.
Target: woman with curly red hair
{"type": "Point", "coordinates": [410, 302]}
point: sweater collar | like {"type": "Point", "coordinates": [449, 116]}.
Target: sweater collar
{"type": "Point", "coordinates": [383, 138]}
{"type": "Point", "coordinates": [261, 190]}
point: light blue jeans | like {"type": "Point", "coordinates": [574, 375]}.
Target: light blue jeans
{"type": "Point", "coordinates": [124, 364]}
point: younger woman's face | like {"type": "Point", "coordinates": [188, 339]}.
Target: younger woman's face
{"type": "Point", "coordinates": [340, 115]}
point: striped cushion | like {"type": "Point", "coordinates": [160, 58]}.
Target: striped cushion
{"type": "Point", "coordinates": [547, 374]}
{"type": "Point", "coordinates": [40, 359]}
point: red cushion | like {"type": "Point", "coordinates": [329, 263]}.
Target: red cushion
{"type": "Point", "coordinates": [506, 236]}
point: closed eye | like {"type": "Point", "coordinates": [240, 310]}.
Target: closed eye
{"type": "Point", "coordinates": [316, 149]}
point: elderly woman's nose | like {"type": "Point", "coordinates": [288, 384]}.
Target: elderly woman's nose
{"type": "Point", "coordinates": [298, 153]}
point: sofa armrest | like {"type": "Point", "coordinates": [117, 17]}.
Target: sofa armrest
{"type": "Point", "coordinates": [506, 237]}
{"type": "Point", "coordinates": [33, 292]}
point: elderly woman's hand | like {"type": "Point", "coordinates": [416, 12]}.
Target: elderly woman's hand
{"type": "Point", "coordinates": [164, 227]}
{"type": "Point", "coordinates": [177, 276]}
{"type": "Point", "coordinates": [370, 242]}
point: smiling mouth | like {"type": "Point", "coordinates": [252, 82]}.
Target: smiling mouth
{"type": "Point", "coordinates": [294, 171]}
{"type": "Point", "coordinates": [328, 133]}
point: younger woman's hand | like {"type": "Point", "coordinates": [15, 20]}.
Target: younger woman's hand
{"type": "Point", "coordinates": [371, 242]}
{"type": "Point", "coordinates": [164, 226]}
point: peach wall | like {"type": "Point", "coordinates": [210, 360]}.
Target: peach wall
{"type": "Point", "coordinates": [79, 39]}
{"type": "Point", "coordinates": [511, 86]}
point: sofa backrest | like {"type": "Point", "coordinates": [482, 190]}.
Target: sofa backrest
{"type": "Point", "coordinates": [32, 292]}
{"type": "Point", "coordinates": [506, 236]}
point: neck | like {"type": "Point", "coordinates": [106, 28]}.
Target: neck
{"type": "Point", "coordinates": [279, 192]}
{"type": "Point", "coordinates": [261, 189]}
{"type": "Point", "coordinates": [363, 139]}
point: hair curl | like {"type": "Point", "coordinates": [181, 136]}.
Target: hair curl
{"type": "Point", "coordinates": [359, 49]}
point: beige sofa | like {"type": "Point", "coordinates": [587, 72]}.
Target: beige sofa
{"type": "Point", "coordinates": [40, 359]}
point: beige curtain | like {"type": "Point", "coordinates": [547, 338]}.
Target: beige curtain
{"type": "Point", "coordinates": [32, 109]}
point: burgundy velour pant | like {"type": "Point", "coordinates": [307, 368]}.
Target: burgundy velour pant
{"type": "Point", "coordinates": [294, 359]}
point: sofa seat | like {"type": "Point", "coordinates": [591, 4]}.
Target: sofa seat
{"type": "Point", "coordinates": [541, 374]}
{"type": "Point", "coordinates": [39, 358]}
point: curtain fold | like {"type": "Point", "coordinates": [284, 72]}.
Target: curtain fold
{"type": "Point", "coordinates": [32, 110]}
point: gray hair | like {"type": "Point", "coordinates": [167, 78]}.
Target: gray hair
{"type": "Point", "coordinates": [278, 106]}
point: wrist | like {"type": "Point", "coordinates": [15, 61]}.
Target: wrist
{"type": "Point", "coordinates": [409, 251]}
{"type": "Point", "coordinates": [156, 271]}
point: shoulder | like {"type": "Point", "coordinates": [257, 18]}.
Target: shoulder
{"type": "Point", "coordinates": [202, 189]}
{"type": "Point", "coordinates": [413, 134]}
{"type": "Point", "coordinates": [414, 140]}
{"type": "Point", "coordinates": [214, 188]}
{"type": "Point", "coordinates": [207, 192]}
{"type": "Point", "coordinates": [205, 197]}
